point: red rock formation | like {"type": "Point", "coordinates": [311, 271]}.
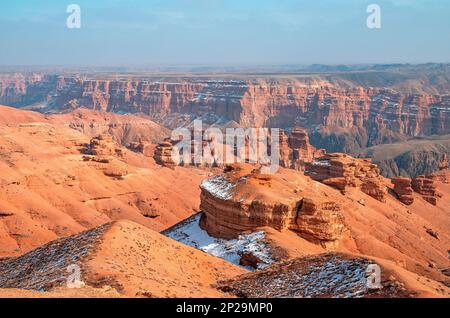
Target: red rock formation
{"type": "Point", "coordinates": [444, 162]}
{"type": "Point", "coordinates": [140, 146]}
{"type": "Point", "coordinates": [163, 154]}
{"type": "Point", "coordinates": [403, 189]}
{"type": "Point", "coordinates": [302, 151]}
{"type": "Point", "coordinates": [320, 220]}
{"type": "Point", "coordinates": [375, 188]}
{"type": "Point", "coordinates": [442, 176]}
{"type": "Point", "coordinates": [296, 150]}
{"type": "Point", "coordinates": [285, 151]}
{"type": "Point", "coordinates": [242, 199]}
{"type": "Point", "coordinates": [380, 112]}
{"type": "Point", "coordinates": [425, 186]}
{"type": "Point", "coordinates": [104, 146]}
{"type": "Point", "coordinates": [341, 171]}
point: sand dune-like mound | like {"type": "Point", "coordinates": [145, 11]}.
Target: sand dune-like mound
{"type": "Point", "coordinates": [130, 258]}
{"type": "Point", "coordinates": [125, 129]}
{"type": "Point", "coordinates": [56, 181]}
{"type": "Point", "coordinates": [14, 116]}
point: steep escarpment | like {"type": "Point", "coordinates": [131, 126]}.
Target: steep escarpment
{"type": "Point", "coordinates": [411, 158]}
{"type": "Point", "coordinates": [372, 115]}
{"type": "Point", "coordinates": [382, 112]}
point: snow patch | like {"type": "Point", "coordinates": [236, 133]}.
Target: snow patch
{"type": "Point", "coordinates": [190, 233]}
{"type": "Point", "coordinates": [219, 187]}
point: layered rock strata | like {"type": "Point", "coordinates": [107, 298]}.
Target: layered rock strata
{"type": "Point", "coordinates": [295, 149]}
{"type": "Point", "coordinates": [163, 154]}
{"type": "Point", "coordinates": [379, 112]}
{"type": "Point", "coordinates": [242, 199]}
{"type": "Point", "coordinates": [403, 190]}
{"type": "Point", "coordinates": [341, 171]}
{"type": "Point", "coordinates": [425, 186]}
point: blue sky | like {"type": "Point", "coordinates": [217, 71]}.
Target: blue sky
{"type": "Point", "coordinates": [223, 32]}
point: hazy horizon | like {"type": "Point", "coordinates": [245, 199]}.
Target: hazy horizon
{"type": "Point", "coordinates": [138, 33]}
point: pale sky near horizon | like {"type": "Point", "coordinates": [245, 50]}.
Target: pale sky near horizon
{"type": "Point", "coordinates": [223, 32]}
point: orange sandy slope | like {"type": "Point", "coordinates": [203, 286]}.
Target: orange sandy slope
{"type": "Point", "coordinates": [47, 190]}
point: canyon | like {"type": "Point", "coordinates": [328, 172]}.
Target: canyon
{"type": "Point", "coordinates": [88, 186]}
{"type": "Point", "coordinates": [355, 112]}
{"type": "Point", "coordinates": [373, 115]}
{"type": "Point", "coordinates": [88, 176]}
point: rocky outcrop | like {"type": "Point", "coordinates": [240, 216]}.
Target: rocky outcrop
{"type": "Point", "coordinates": [140, 146]}
{"type": "Point", "coordinates": [302, 150]}
{"type": "Point", "coordinates": [102, 148]}
{"type": "Point", "coordinates": [403, 190]}
{"type": "Point", "coordinates": [249, 259]}
{"type": "Point", "coordinates": [163, 154]}
{"type": "Point", "coordinates": [444, 162]}
{"type": "Point", "coordinates": [425, 186]}
{"type": "Point", "coordinates": [375, 188]}
{"type": "Point", "coordinates": [332, 275]}
{"type": "Point", "coordinates": [243, 199]}
{"type": "Point", "coordinates": [341, 171]}
{"type": "Point", "coordinates": [295, 149]}
{"type": "Point", "coordinates": [442, 176]}
{"type": "Point", "coordinates": [320, 221]}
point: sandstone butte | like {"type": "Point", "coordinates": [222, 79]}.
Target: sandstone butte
{"type": "Point", "coordinates": [61, 187]}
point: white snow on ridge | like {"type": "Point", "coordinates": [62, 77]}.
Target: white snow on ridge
{"type": "Point", "coordinates": [190, 233]}
{"type": "Point", "coordinates": [219, 187]}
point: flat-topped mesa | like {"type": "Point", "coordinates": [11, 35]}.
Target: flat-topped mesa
{"type": "Point", "coordinates": [403, 189]}
{"type": "Point", "coordinates": [242, 199]}
{"type": "Point", "coordinates": [340, 171]}
{"type": "Point", "coordinates": [425, 186]}
{"type": "Point", "coordinates": [163, 154]}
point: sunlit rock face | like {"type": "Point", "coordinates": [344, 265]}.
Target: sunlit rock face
{"type": "Point", "coordinates": [242, 199]}
{"type": "Point", "coordinates": [372, 115]}
{"type": "Point", "coordinates": [403, 189]}
{"type": "Point", "coordinates": [342, 171]}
